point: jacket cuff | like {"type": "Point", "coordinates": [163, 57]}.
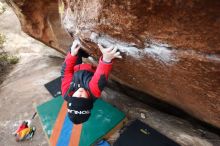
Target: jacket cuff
{"type": "Point", "coordinates": [106, 67]}
{"type": "Point", "coordinates": [102, 61]}
{"type": "Point", "coordinates": [70, 58]}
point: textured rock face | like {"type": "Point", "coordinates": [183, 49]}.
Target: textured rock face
{"type": "Point", "coordinates": [170, 48]}
{"type": "Point", "coordinates": [40, 19]}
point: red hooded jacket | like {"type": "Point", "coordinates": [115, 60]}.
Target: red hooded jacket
{"type": "Point", "coordinates": [83, 75]}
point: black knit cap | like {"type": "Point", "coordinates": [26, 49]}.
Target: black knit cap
{"type": "Point", "coordinates": [79, 109]}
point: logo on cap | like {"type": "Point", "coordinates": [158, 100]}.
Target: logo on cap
{"type": "Point", "coordinates": [78, 112]}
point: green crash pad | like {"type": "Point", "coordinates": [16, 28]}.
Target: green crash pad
{"type": "Point", "coordinates": [104, 117]}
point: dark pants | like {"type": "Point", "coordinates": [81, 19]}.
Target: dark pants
{"type": "Point", "coordinates": [81, 54]}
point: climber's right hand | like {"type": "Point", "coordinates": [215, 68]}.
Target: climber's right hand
{"type": "Point", "coordinates": [109, 53]}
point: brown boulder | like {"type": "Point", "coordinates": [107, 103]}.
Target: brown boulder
{"type": "Point", "coordinates": [170, 48]}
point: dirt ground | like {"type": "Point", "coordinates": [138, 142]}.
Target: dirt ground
{"type": "Point", "coordinates": [23, 89]}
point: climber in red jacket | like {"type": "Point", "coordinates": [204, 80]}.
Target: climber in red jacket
{"type": "Point", "coordinates": [81, 83]}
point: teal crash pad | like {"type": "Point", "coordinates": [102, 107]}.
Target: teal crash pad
{"type": "Point", "coordinates": [104, 117]}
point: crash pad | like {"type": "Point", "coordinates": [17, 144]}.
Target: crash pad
{"type": "Point", "coordinates": [138, 133]}
{"type": "Point", "coordinates": [62, 132]}
{"type": "Point", "coordinates": [54, 87]}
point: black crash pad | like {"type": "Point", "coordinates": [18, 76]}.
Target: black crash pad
{"type": "Point", "coordinates": [54, 87]}
{"type": "Point", "coordinates": [140, 134]}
